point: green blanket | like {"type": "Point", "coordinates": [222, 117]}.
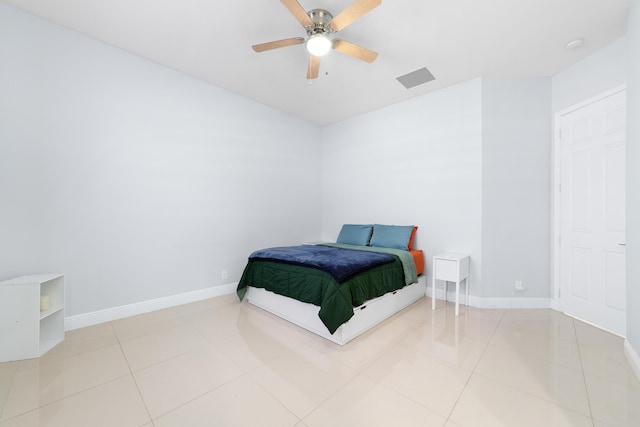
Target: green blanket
{"type": "Point", "coordinates": [336, 301]}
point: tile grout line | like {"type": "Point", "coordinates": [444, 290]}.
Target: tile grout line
{"type": "Point", "coordinates": [257, 383]}
{"type": "Point", "coordinates": [437, 360]}
{"type": "Point", "coordinates": [132, 373]}
{"type": "Point", "coordinates": [473, 371]}
{"type": "Point", "coordinates": [204, 394]}
{"type": "Point", "coordinates": [62, 360]}
{"type": "Point", "coordinates": [542, 398]}
{"type": "Point", "coordinates": [584, 378]}
{"type": "Point", "coordinates": [356, 373]}
{"type": "Point", "coordinates": [342, 387]}
{"type": "Point", "coordinates": [272, 396]}
{"type": "Point", "coordinates": [208, 342]}
{"type": "Point", "coordinates": [63, 398]}
{"type": "Point", "coordinates": [4, 404]}
{"type": "Point", "coordinates": [133, 377]}
{"type": "Point", "coordinates": [360, 371]}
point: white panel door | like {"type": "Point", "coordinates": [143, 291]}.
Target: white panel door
{"type": "Point", "coordinates": [592, 213]}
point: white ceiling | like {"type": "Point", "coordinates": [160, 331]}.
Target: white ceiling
{"type": "Point", "coordinates": [455, 39]}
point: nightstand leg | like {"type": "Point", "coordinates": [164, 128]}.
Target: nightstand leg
{"type": "Point", "coordinates": [457, 297]}
{"type": "Point", "coordinates": [433, 292]}
{"type": "Point", "coordinates": [466, 286]}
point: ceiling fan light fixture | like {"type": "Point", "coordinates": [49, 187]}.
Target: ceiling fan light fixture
{"type": "Point", "coordinates": [318, 45]}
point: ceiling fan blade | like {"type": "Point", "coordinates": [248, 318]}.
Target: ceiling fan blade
{"type": "Point", "coordinates": [353, 12]}
{"type": "Point", "coordinates": [356, 51]}
{"type": "Point", "coordinates": [277, 44]}
{"type": "Point", "coordinates": [314, 67]}
{"type": "Point", "coordinates": [298, 12]}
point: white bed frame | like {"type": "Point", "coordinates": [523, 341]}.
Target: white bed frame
{"type": "Point", "coordinates": [365, 317]}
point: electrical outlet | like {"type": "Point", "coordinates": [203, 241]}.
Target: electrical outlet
{"type": "Point", "coordinates": [519, 285]}
{"type": "Point", "coordinates": [224, 275]}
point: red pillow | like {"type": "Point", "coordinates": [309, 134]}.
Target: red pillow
{"type": "Point", "coordinates": [413, 234]}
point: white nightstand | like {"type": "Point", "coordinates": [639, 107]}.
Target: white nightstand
{"type": "Point", "coordinates": [450, 268]}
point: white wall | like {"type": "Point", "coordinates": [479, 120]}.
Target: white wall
{"type": "Point", "coordinates": [134, 180]}
{"type": "Point", "coordinates": [416, 162]}
{"type": "Point", "coordinates": [633, 178]}
{"type": "Point", "coordinates": [468, 164]}
{"type": "Point", "coordinates": [597, 73]}
{"type": "Point", "coordinates": [516, 144]}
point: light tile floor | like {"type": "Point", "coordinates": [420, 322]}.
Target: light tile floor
{"type": "Point", "coordinates": [223, 363]}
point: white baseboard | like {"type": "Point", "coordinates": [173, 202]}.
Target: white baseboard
{"type": "Point", "coordinates": [632, 357]}
{"type": "Point", "coordinates": [109, 314]}
{"type": "Point", "coordinates": [531, 303]}
{"type": "Point", "coordinates": [500, 303]}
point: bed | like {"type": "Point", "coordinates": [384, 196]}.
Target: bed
{"type": "Point", "coordinates": [338, 290]}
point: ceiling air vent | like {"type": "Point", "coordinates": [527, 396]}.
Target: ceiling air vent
{"type": "Point", "coordinates": [416, 78]}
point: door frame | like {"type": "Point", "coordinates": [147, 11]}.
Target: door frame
{"type": "Point", "coordinates": [555, 191]}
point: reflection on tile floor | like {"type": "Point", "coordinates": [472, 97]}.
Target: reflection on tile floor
{"type": "Point", "coordinates": [220, 362]}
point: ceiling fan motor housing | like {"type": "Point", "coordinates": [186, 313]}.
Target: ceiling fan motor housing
{"type": "Point", "coordinates": [321, 19]}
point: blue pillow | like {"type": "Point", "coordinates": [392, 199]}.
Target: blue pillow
{"type": "Point", "coordinates": [391, 236]}
{"type": "Point", "coordinates": [355, 234]}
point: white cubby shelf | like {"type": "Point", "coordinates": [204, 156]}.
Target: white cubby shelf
{"type": "Point", "coordinates": [26, 331]}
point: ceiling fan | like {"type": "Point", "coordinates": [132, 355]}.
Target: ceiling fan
{"type": "Point", "coordinates": [319, 24]}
